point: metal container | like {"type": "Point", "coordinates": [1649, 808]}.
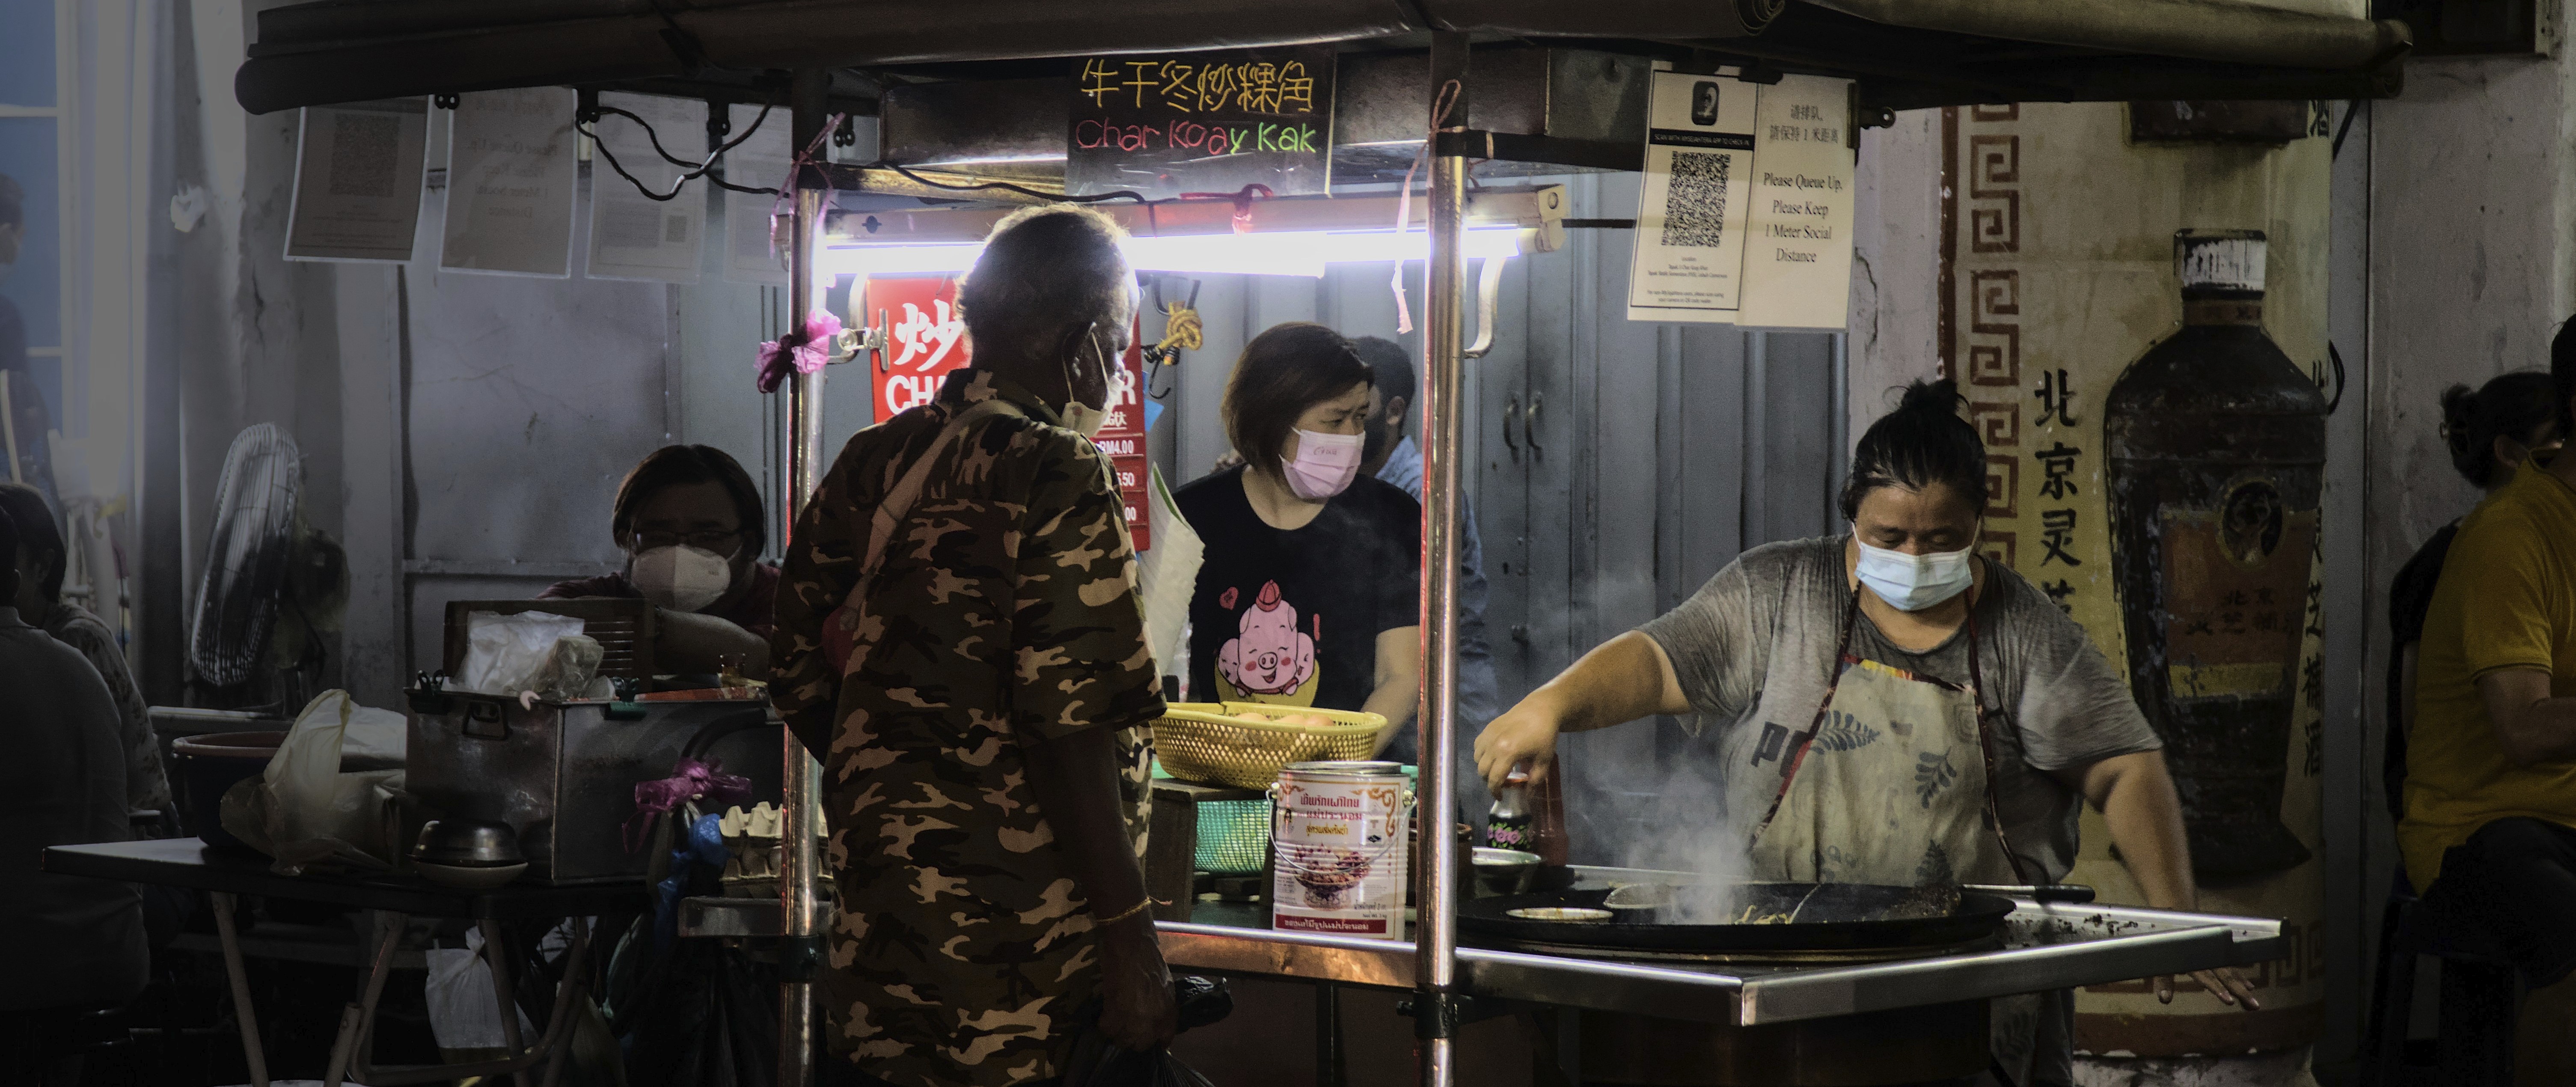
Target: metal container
{"type": "Point", "coordinates": [562, 775]}
{"type": "Point", "coordinates": [1338, 837]}
{"type": "Point", "coordinates": [467, 843]}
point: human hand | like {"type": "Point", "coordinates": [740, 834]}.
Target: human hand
{"type": "Point", "coordinates": [1226, 460]}
{"type": "Point", "coordinates": [2224, 983]}
{"type": "Point", "coordinates": [1136, 1007]}
{"type": "Point", "coordinates": [1524, 735]}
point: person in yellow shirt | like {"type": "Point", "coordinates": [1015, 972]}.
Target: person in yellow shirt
{"type": "Point", "coordinates": [2489, 831]}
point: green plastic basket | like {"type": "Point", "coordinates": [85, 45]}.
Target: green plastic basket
{"type": "Point", "coordinates": [1234, 836]}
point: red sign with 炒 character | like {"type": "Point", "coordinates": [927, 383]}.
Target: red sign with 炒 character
{"type": "Point", "coordinates": [925, 339]}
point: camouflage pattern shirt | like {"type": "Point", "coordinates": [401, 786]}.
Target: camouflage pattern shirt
{"type": "Point", "coordinates": [1004, 616]}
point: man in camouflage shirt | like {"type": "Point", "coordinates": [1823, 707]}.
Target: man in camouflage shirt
{"type": "Point", "coordinates": [984, 745]}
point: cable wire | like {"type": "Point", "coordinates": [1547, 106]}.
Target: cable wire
{"type": "Point", "coordinates": [695, 170]}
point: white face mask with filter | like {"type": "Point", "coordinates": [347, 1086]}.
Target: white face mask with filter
{"type": "Point", "coordinates": [681, 577]}
{"type": "Point", "coordinates": [1915, 582]}
{"type": "Point", "coordinates": [1083, 418]}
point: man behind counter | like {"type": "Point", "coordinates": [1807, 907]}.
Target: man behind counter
{"type": "Point", "coordinates": [689, 519]}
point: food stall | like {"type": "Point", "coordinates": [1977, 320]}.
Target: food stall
{"type": "Point", "coordinates": [1440, 119]}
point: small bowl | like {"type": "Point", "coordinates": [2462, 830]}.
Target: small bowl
{"type": "Point", "coordinates": [467, 843]}
{"type": "Point", "coordinates": [1504, 871]}
{"type": "Point", "coordinates": [469, 878]}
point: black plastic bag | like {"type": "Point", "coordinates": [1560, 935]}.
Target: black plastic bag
{"type": "Point", "coordinates": [1097, 1062]}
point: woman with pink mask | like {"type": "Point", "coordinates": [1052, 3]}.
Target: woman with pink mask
{"type": "Point", "coordinates": [1310, 592]}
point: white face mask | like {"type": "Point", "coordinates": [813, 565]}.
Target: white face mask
{"type": "Point", "coordinates": [1325, 464]}
{"type": "Point", "coordinates": [1083, 418]}
{"type": "Point", "coordinates": [680, 577]}
{"type": "Point", "coordinates": [1915, 582]}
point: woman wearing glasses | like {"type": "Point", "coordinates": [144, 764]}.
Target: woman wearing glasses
{"type": "Point", "coordinates": [690, 522]}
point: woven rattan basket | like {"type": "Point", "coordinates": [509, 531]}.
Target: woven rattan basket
{"type": "Point", "coordinates": [1201, 742]}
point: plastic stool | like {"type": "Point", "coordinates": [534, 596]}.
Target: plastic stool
{"type": "Point", "coordinates": [2481, 999]}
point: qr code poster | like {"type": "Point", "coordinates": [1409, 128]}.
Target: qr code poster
{"type": "Point", "coordinates": [359, 169]}
{"type": "Point", "coordinates": [1691, 214]}
{"type": "Point", "coordinates": [1744, 215]}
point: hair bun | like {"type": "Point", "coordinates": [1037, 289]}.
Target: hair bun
{"type": "Point", "coordinates": [1938, 397]}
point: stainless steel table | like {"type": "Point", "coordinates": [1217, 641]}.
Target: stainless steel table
{"type": "Point", "coordinates": [188, 862]}
{"type": "Point", "coordinates": [2046, 947]}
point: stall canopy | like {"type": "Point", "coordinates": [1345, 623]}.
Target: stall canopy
{"type": "Point", "coordinates": [1903, 53]}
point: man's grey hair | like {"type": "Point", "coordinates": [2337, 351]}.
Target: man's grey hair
{"type": "Point", "coordinates": [1045, 274]}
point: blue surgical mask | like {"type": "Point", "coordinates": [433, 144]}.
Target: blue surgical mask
{"type": "Point", "coordinates": [1915, 582]}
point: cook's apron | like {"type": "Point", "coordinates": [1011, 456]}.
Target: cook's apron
{"type": "Point", "coordinates": [1893, 783]}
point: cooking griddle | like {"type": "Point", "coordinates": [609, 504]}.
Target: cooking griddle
{"type": "Point", "coordinates": [1830, 917]}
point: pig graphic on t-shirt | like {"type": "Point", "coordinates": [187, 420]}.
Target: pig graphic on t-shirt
{"type": "Point", "coordinates": [1269, 655]}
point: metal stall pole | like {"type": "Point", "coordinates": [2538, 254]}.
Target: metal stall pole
{"type": "Point", "coordinates": [1436, 1009]}
{"type": "Point", "coordinates": [800, 948]}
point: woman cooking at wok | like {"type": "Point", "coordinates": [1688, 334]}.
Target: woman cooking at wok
{"type": "Point", "coordinates": [1895, 709]}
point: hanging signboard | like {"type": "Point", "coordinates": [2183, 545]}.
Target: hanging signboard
{"type": "Point", "coordinates": [1745, 212]}
{"type": "Point", "coordinates": [359, 169]}
{"type": "Point", "coordinates": [925, 339]}
{"type": "Point", "coordinates": [511, 170]}
{"type": "Point", "coordinates": [633, 236]}
{"type": "Point", "coordinates": [1202, 122]}
{"type": "Point", "coordinates": [1123, 438]}
{"type": "Point", "coordinates": [759, 162]}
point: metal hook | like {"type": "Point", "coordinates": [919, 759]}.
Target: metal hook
{"type": "Point", "coordinates": [1489, 288]}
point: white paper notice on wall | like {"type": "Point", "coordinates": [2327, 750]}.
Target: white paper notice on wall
{"type": "Point", "coordinates": [633, 236]}
{"type": "Point", "coordinates": [1744, 216]}
{"type": "Point", "coordinates": [1689, 263]}
{"type": "Point", "coordinates": [1797, 240]}
{"type": "Point", "coordinates": [511, 172]}
{"type": "Point", "coordinates": [760, 162]}
{"type": "Point", "coordinates": [359, 169]}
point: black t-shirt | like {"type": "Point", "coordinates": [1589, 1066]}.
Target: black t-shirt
{"type": "Point", "coordinates": [2410, 598]}
{"type": "Point", "coordinates": [1292, 616]}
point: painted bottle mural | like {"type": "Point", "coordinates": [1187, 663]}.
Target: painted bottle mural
{"type": "Point", "coordinates": [2217, 449]}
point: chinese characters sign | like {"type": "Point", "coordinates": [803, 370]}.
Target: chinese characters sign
{"type": "Point", "coordinates": [1202, 122]}
{"type": "Point", "coordinates": [925, 339]}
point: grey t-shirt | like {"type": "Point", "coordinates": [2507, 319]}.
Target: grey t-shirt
{"type": "Point", "coordinates": [1755, 647]}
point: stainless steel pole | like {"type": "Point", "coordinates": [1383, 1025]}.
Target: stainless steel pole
{"type": "Point", "coordinates": [1435, 1007]}
{"type": "Point", "coordinates": [800, 952]}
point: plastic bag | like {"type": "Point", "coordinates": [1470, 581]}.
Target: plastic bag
{"type": "Point", "coordinates": [1168, 574]}
{"type": "Point", "coordinates": [1096, 1062]}
{"type": "Point", "coordinates": [304, 811]}
{"type": "Point", "coordinates": [527, 651]}
{"type": "Point", "coordinates": [463, 1012]}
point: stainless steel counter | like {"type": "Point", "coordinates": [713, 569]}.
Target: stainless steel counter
{"type": "Point", "coordinates": [2045, 947]}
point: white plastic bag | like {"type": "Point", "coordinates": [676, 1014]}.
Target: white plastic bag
{"type": "Point", "coordinates": [463, 1012]}
{"type": "Point", "coordinates": [303, 810]}
{"type": "Point", "coordinates": [1168, 573]}
{"type": "Point", "coordinates": [507, 654]}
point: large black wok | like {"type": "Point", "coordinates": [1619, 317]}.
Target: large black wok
{"type": "Point", "coordinates": [1828, 917]}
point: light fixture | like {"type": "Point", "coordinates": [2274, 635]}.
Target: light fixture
{"type": "Point", "coordinates": [1304, 252]}
{"type": "Point", "coordinates": [1283, 236]}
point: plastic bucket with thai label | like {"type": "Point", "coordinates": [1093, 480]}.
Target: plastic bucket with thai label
{"type": "Point", "coordinates": [1338, 852]}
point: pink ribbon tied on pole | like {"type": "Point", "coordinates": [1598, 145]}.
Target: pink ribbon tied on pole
{"type": "Point", "coordinates": [689, 780]}
{"type": "Point", "coordinates": [804, 351]}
